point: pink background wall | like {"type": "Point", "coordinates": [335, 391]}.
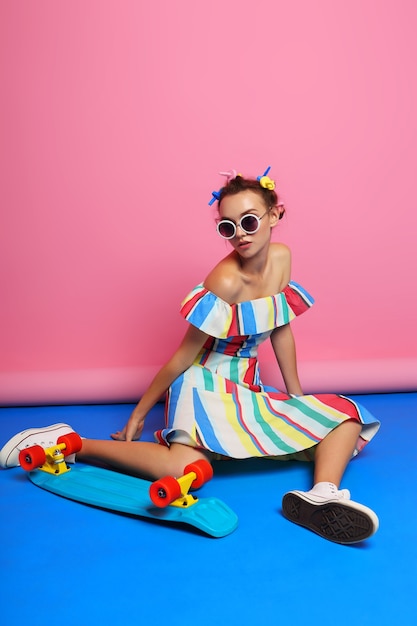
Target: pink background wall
{"type": "Point", "coordinates": [115, 119]}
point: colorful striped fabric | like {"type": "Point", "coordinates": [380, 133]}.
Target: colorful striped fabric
{"type": "Point", "coordinates": [220, 319]}
{"type": "Point", "coordinates": [220, 403]}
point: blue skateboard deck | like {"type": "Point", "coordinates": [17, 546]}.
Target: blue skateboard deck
{"type": "Point", "coordinates": [126, 494]}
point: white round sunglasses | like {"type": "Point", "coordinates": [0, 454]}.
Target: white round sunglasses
{"type": "Point", "coordinates": [249, 223]}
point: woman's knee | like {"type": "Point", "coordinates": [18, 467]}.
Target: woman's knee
{"type": "Point", "coordinates": [181, 456]}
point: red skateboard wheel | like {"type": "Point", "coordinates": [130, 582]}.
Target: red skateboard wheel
{"type": "Point", "coordinates": [164, 491]}
{"type": "Point", "coordinates": [203, 471]}
{"type": "Point", "coordinates": [31, 458]}
{"type": "Point", "coordinates": [73, 443]}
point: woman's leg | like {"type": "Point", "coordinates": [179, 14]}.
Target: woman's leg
{"type": "Point", "coordinates": [334, 452]}
{"type": "Point", "coordinates": [140, 458]}
{"type": "Point", "coordinates": [152, 460]}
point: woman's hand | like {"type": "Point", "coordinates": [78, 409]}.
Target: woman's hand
{"type": "Point", "coordinates": [133, 429]}
{"type": "Point", "coordinates": [182, 358]}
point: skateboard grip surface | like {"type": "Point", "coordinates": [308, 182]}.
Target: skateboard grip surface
{"type": "Point", "coordinates": [126, 494]}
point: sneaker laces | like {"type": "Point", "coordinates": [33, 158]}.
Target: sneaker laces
{"type": "Point", "coordinates": [43, 444]}
{"type": "Point", "coordinates": [329, 490]}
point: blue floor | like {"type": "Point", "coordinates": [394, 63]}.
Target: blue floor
{"type": "Point", "coordinates": [66, 562]}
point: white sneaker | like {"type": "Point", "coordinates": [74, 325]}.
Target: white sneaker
{"type": "Point", "coordinates": [45, 437]}
{"type": "Point", "coordinates": [334, 517]}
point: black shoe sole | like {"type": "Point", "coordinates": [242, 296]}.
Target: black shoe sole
{"type": "Point", "coordinates": [334, 521]}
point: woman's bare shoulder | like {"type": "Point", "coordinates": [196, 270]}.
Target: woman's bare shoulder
{"type": "Point", "coordinates": [224, 279]}
{"type": "Point", "coordinates": [281, 252]}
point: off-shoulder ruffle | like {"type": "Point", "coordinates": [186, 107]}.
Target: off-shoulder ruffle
{"type": "Point", "coordinates": [217, 318]}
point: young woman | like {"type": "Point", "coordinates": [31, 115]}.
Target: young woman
{"type": "Point", "coordinates": [217, 405]}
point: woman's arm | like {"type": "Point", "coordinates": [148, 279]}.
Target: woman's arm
{"type": "Point", "coordinates": [183, 357]}
{"type": "Point", "coordinates": [283, 344]}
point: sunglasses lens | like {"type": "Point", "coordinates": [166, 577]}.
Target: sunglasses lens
{"type": "Point", "coordinates": [250, 223]}
{"type": "Point", "coordinates": [226, 229]}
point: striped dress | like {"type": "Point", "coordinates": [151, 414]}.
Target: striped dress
{"type": "Point", "coordinates": [220, 404]}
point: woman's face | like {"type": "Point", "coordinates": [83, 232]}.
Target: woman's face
{"type": "Point", "coordinates": [235, 207]}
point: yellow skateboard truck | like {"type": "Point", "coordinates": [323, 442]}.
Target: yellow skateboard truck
{"type": "Point", "coordinates": [175, 491]}
{"type": "Point", "coordinates": [51, 460]}
{"type": "Point", "coordinates": [55, 460]}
